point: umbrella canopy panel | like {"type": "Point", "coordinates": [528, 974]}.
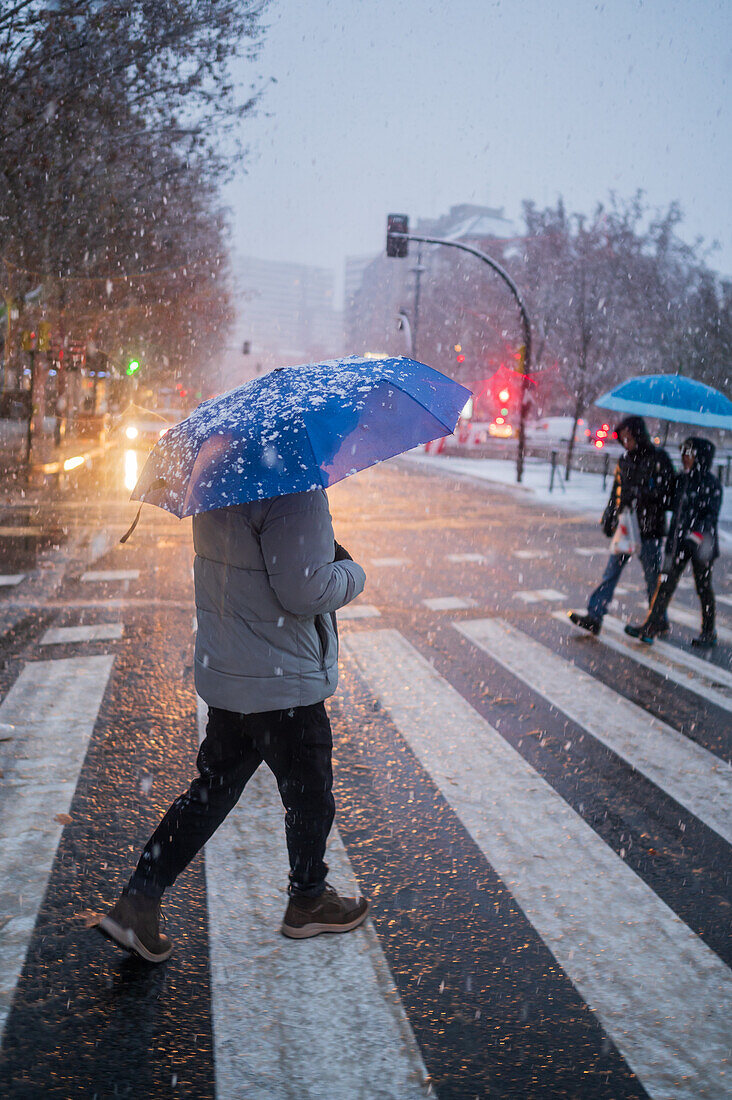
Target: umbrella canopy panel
{"type": "Point", "coordinates": [670, 397]}
{"type": "Point", "coordinates": [295, 429]}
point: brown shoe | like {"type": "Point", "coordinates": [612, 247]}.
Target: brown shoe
{"type": "Point", "coordinates": [305, 917]}
{"type": "Point", "coordinates": [134, 923]}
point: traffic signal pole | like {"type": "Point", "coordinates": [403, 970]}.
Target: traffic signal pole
{"type": "Point", "coordinates": [397, 246]}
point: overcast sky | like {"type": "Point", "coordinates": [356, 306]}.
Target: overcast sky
{"type": "Point", "coordinates": [416, 106]}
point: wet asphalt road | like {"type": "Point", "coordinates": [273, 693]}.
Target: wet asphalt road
{"type": "Point", "coordinates": [493, 1012]}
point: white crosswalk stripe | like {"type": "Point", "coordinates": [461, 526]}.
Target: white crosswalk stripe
{"type": "Point", "coordinates": [448, 603]}
{"type": "Point", "coordinates": [540, 594]}
{"type": "Point", "coordinates": [479, 559]}
{"type": "Point", "coordinates": [704, 679]}
{"type": "Point", "coordinates": [353, 1029]}
{"type": "Point", "coordinates": [527, 555]}
{"type": "Point", "coordinates": [694, 777]}
{"type": "Point", "coordinates": [95, 632]}
{"type": "Point", "coordinates": [661, 993]}
{"type": "Point", "coordinates": [10, 580]}
{"type": "Point", "coordinates": [50, 712]}
{"type": "Point", "coordinates": [358, 611]}
{"type": "Point", "coordinates": [97, 575]}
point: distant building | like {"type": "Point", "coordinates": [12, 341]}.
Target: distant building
{"type": "Point", "coordinates": [285, 315]}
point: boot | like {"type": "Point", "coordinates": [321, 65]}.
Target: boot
{"type": "Point", "coordinates": [305, 917]}
{"type": "Point", "coordinates": [594, 626]}
{"type": "Point", "coordinates": [134, 923]}
{"type": "Point", "coordinates": [640, 632]}
{"type": "Point", "coordinates": [705, 640]}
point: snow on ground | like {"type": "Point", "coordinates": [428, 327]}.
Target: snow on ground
{"type": "Point", "coordinates": [583, 493]}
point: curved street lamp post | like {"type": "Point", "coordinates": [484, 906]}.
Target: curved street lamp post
{"type": "Point", "coordinates": [397, 238]}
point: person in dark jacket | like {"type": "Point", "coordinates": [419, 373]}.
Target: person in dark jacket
{"type": "Point", "coordinates": [268, 579]}
{"type": "Point", "coordinates": [643, 481]}
{"type": "Point", "coordinates": [692, 537]}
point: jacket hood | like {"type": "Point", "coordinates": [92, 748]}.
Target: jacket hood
{"type": "Point", "coordinates": [636, 425]}
{"type": "Point", "coordinates": [703, 451]}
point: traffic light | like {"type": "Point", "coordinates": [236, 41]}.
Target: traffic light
{"type": "Point", "coordinates": [28, 340]}
{"type": "Point", "coordinates": [397, 246]}
{"type": "Point", "coordinates": [132, 367]}
{"type": "Point", "coordinates": [246, 347]}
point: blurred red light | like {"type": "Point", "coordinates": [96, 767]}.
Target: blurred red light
{"type": "Point", "coordinates": [461, 358]}
{"type": "Point", "coordinates": [599, 444]}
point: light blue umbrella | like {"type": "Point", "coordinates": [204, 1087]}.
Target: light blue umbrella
{"type": "Point", "coordinates": [297, 428]}
{"type": "Point", "coordinates": [670, 397]}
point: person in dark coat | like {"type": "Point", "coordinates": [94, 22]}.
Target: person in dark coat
{"type": "Point", "coordinates": [644, 478]}
{"type": "Point", "coordinates": [268, 578]}
{"type": "Point", "coordinates": [693, 537]}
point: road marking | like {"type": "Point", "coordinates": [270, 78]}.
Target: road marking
{"type": "Point", "coordinates": [537, 594]}
{"type": "Point", "coordinates": [528, 554]}
{"type": "Point", "coordinates": [98, 632]}
{"type": "Point", "coordinates": [698, 665]}
{"type": "Point", "coordinates": [52, 708]}
{"type": "Point", "coordinates": [448, 603]}
{"type": "Point", "coordinates": [660, 992]}
{"type": "Point", "coordinates": [710, 686]}
{"type": "Point", "coordinates": [8, 580]}
{"type": "Point", "coordinates": [387, 562]}
{"type": "Point", "coordinates": [480, 559]}
{"type": "Point", "coordinates": [689, 618]}
{"type": "Point", "coordinates": [20, 532]}
{"type": "Point", "coordinates": [692, 776]}
{"type": "Point", "coordinates": [358, 611]}
{"type": "Point", "coordinates": [355, 1025]}
{"type": "Point", "coordinates": [111, 575]}
{"type": "Point", "coordinates": [726, 600]}
{"type": "Point", "coordinates": [591, 551]}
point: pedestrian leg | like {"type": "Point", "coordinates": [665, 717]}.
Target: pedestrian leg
{"type": "Point", "coordinates": [601, 598]}
{"type": "Point", "coordinates": [298, 749]}
{"type": "Point", "coordinates": [665, 589]}
{"type": "Point", "coordinates": [226, 761]}
{"type": "Point", "coordinates": [703, 582]}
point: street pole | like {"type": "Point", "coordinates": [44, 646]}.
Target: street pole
{"type": "Point", "coordinates": [525, 358]}
{"type": "Point", "coordinates": [29, 437]}
{"type": "Point", "coordinates": [417, 281]}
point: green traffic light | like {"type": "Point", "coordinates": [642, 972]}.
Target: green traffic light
{"type": "Point", "coordinates": [133, 366]}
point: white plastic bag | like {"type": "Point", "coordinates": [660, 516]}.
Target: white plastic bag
{"type": "Point", "coordinates": [626, 539]}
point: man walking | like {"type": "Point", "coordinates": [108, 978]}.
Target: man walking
{"type": "Point", "coordinates": [643, 481]}
{"type": "Point", "coordinates": [268, 581]}
{"type": "Point", "coordinates": [693, 537]}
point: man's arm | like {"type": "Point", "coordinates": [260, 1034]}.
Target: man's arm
{"type": "Point", "coordinates": [298, 548]}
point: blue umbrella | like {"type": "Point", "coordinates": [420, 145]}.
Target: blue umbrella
{"type": "Point", "coordinates": [670, 397]}
{"type": "Point", "coordinates": [297, 428]}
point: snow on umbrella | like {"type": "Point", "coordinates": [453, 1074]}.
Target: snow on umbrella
{"type": "Point", "coordinates": [670, 397]}
{"type": "Point", "coordinates": [297, 428]}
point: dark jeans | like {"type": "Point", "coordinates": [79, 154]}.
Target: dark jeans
{"type": "Point", "coordinates": [650, 556]}
{"type": "Point", "coordinates": [297, 746]}
{"type": "Point", "coordinates": [667, 586]}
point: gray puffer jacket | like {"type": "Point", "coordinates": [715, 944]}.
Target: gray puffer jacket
{"type": "Point", "coordinates": [266, 589]}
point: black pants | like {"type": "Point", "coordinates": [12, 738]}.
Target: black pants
{"type": "Point", "coordinates": [667, 586]}
{"type": "Point", "coordinates": [297, 746]}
